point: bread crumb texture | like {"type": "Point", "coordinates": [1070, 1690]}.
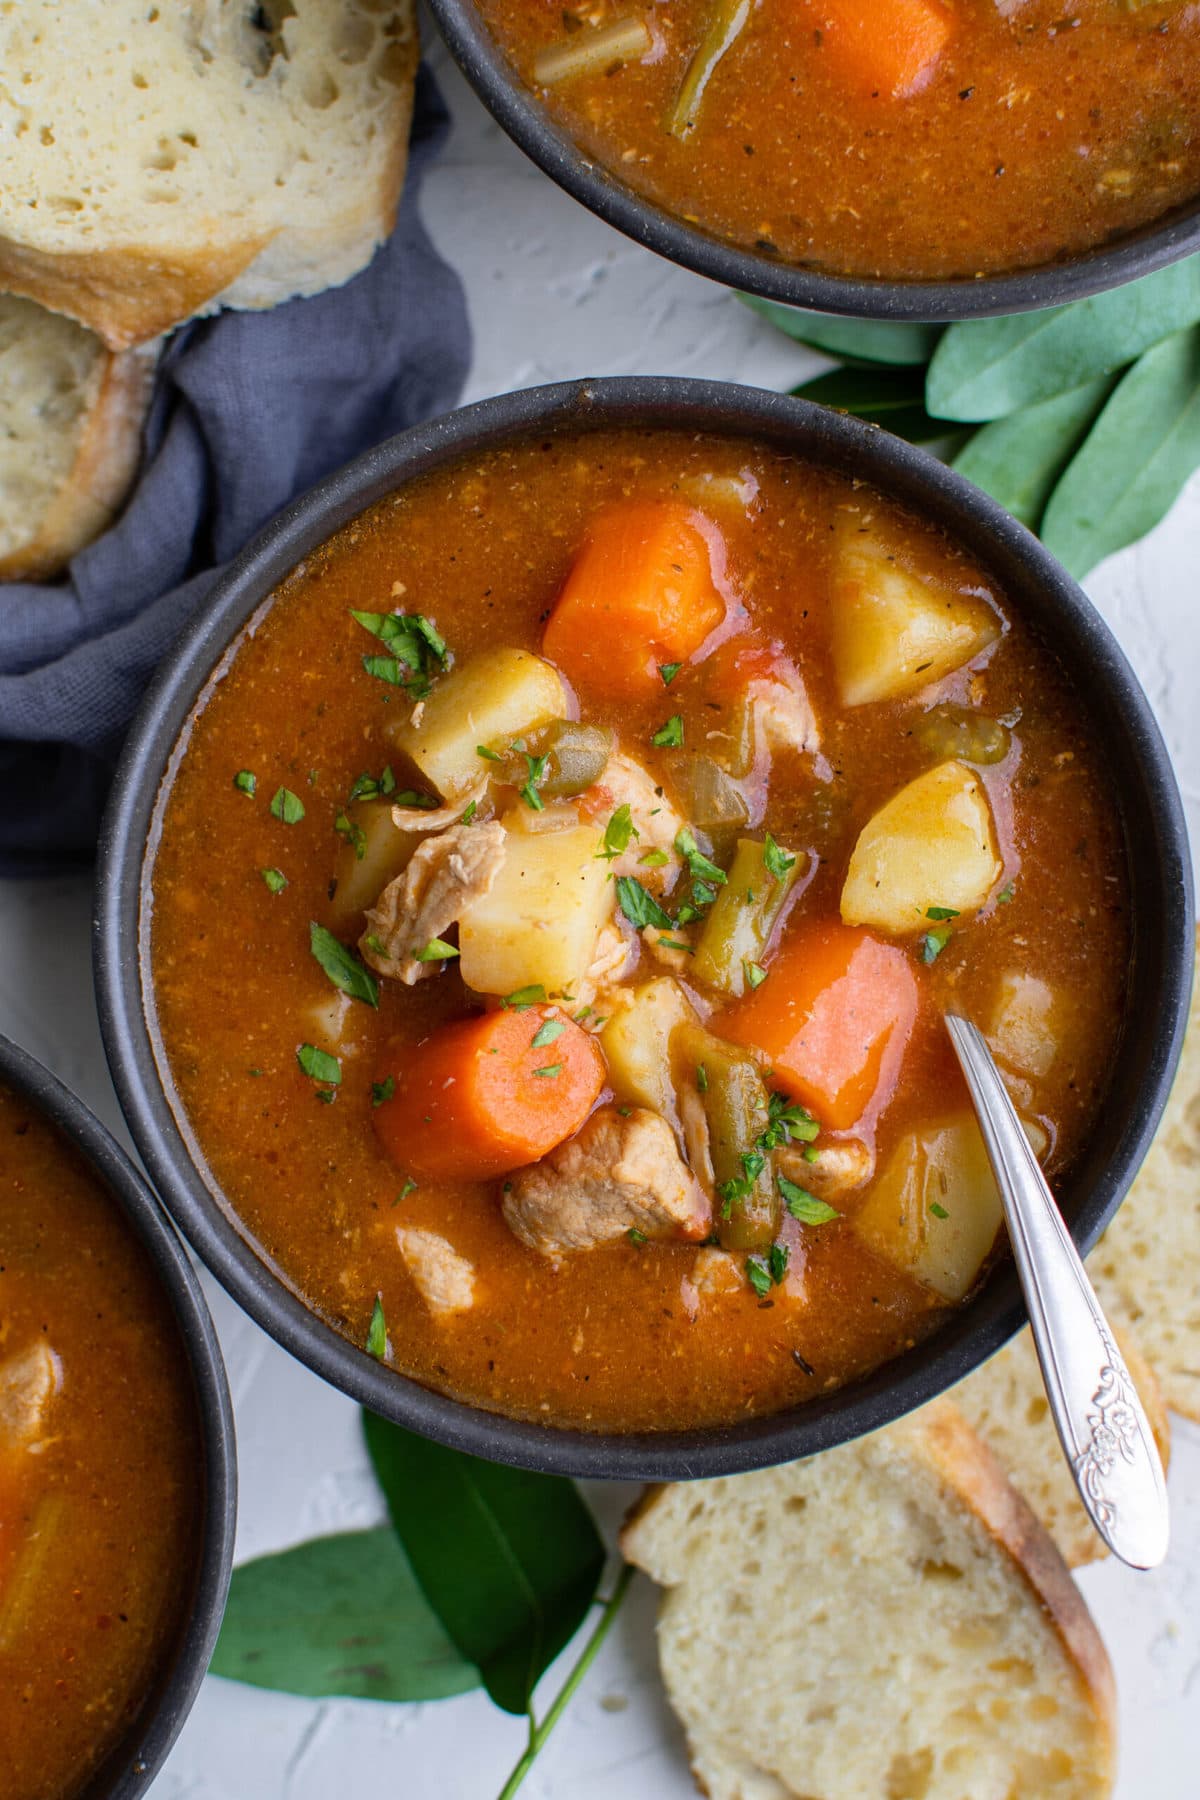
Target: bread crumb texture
{"type": "Point", "coordinates": [886, 1621]}
{"type": "Point", "coordinates": [159, 157]}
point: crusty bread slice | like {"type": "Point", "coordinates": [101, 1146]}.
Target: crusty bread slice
{"type": "Point", "coordinates": [1005, 1402]}
{"type": "Point", "coordinates": [887, 1621]}
{"type": "Point", "coordinates": [1146, 1267]}
{"type": "Point", "coordinates": [160, 160]}
{"type": "Point", "coordinates": [71, 416]}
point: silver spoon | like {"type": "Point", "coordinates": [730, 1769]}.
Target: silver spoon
{"type": "Point", "coordinates": [1099, 1419]}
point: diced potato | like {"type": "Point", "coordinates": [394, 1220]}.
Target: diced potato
{"type": "Point", "coordinates": [28, 1383]}
{"type": "Point", "coordinates": [944, 1166]}
{"type": "Point", "coordinates": [1022, 1030]}
{"type": "Point", "coordinates": [328, 1022]}
{"type": "Point", "coordinates": [539, 922]}
{"type": "Point", "coordinates": [360, 879]}
{"type": "Point", "coordinates": [492, 699]}
{"type": "Point", "coordinates": [932, 845]}
{"type": "Point", "coordinates": [637, 1043]}
{"type": "Point", "coordinates": [934, 1210]}
{"type": "Point", "coordinates": [895, 632]}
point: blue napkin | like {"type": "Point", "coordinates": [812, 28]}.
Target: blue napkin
{"type": "Point", "coordinates": [249, 409]}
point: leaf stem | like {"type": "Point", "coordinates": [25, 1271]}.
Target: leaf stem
{"type": "Point", "coordinates": [539, 1733]}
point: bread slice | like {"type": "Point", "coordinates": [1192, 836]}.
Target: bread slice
{"type": "Point", "coordinates": [162, 160]}
{"type": "Point", "coordinates": [1005, 1402]}
{"type": "Point", "coordinates": [1146, 1267]}
{"type": "Point", "coordinates": [71, 416]}
{"type": "Point", "coordinates": [887, 1621]}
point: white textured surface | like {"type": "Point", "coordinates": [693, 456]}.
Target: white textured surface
{"type": "Point", "coordinates": [553, 293]}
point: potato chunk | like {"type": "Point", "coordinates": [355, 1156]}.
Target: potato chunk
{"type": "Point", "coordinates": [895, 632]}
{"type": "Point", "coordinates": [538, 923]}
{"type": "Point", "coordinates": [492, 699]}
{"type": "Point", "coordinates": [637, 1043]}
{"type": "Point", "coordinates": [373, 852]}
{"type": "Point", "coordinates": [1023, 1029]}
{"type": "Point", "coordinates": [934, 1210]}
{"type": "Point", "coordinates": [931, 845]}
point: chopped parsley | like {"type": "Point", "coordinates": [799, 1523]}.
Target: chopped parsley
{"type": "Point", "coordinates": [342, 966]}
{"type": "Point", "coordinates": [701, 1078]}
{"type": "Point", "coordinates": [669, 671]}
{"type": "Point", "coordinates": [318, 1065]}
{"type": "Point", "coordinates": [699, 865]}
{"type": "Point", "coordinates": [415, 649]}
{"type": "Point", "coordinates": [653, 859]}
{"type": "Point", "coordinates": [1005, 896]}
{"type": "Point", "coordinates": [758, 1275]}
{"type": "Point", "coordinates": [382, 1091]}
{"type": "Point", "coordinates": [354, 835]}
{"type": "Point", "coordinates": [275, 879]}
{"type": "Point", "coordinates": [777, 1262]}
{"type": "Point", "coordinates": [246, 781]}
{"type": "Point", "coordinates": [939, 1212]}
{"type": "Point", "coordinates": [287, 806]}
{"type": "Point", "coordinates": [522, 998]}
{"type": "Point", "coordinates": [546, 1033]}
{"type": "Point", "coordinates": [378, 946]}
{"type": "Point", "coordinates": [637, 1238]}
{"type": "Point", "coordinates": [377, 1331]}
{"type": "Point", "coordinates": [941, 912]}
{"type": "Point", "coordinates": [488, 755]}
{"type": "Point", "coordinates": [551, 1072]}
{"type": "Point", "coordinates": [373, 787]}
{"type": "Point", "coordinates": [670, 735]}
{"type": "Point", "coordinates": [804, 1206]}
{"type": "Point", "coordinates": [755, 974]}
{"type": "Point", "coordinates": [436, 950]}
{"type": "Point", "coordinates": [469, 812]}
{"type": "Point", "coordinates": [410, 1187]}
{"type": "Point", "coordinates": [639, 907]}
{"type": "Point", "coordinates": [741, 1186]}
{"type": "Point", "coordinates": [787, 1122]}
{"type": "Point", "coordinates": [537, 774]}
{"type": "Point", "coordinates": [774, 860]}
{"type": "Point", "coordinates": [933, 943]}
{"type": "Point", "coordinates": [618, 834]}
{"type": "Point", "coordinates": [666, 943]}
{"type": "Point", "coordinates": [425, 802]}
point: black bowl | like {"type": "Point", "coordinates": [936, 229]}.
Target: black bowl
{"type": "Point", "coordinates": [1142, 783]}
{"type": "Point", "coordinates": [129, 1770]}
{"type": "Point", "coordinates": [526, 121]}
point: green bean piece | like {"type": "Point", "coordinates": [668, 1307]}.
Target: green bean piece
{"type": "Point", "coordinates": [747, 1208]}
{"type": "Point", "coordinates": [745, 912]}
{"type": "Point", "coordinates": [708, 795]}
{"type": "Point", "coordinates": [725, 25]}
{"type": "Point", "coordinates": [577, 756]}
{"type": "Point", "coordinates": [959, 732]}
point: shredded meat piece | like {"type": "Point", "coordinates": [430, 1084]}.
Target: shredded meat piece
{"type": "Point", "coordinates": [626, 783]}
{"type": "Point", "coordinates": [445, 872]}
{"type": "Point", "coordinates": [619, 1173]}
{"type": "Point", "coordinates": [609, 963]}
{"type": "Point", "coordinates": [419, 818]}
{"type": "Point", "coordinates": [840, 1166]}
{"type": "Point", "coordinates": [713, 1274]}
{"type": "Point", "coordinates": [445, 1280]}
{"type": "Point", "coordinates": [664, 947]}
{"type": "Point", "coordinates": [783, 715]}
{"type": "Point", "coordinates": [28, 1383]}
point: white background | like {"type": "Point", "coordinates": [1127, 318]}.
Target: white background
{"type": "Point", "coordinates": [553, 293]}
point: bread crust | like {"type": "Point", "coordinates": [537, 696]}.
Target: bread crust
{"type": "Point", "coordinates": [106, 461]}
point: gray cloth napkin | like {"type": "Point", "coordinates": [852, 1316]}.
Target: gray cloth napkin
{"type": "Point", "coordinates": [249, 409]}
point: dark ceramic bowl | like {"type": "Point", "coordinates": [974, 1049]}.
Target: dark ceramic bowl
{"type": "Point", "coordinates": [526, 121]}
{"type": "Point", "coordinates": [128, 1772]}
{"type": "Point", "coordinates": [1143, 788]}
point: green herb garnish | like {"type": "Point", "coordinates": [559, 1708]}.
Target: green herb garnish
{"type": "Point", "coordinates": [318, 1065]}
{"type": "Point", "coordinates": [537, 774]}
{"type": "Point", "coordinates": [410, 1187]}
{"type": "Point", "coordinates": [1005, 896]}
{"type": "Point", "coordinates": [758, 1275]}
{"type": "Point", "coordinates": [787, 1122]}
{"type": "Point", "coordinates": [287, 806]}
{"type": "Point", "coordinates": [377, 1331]}
{"type": "Point", "coordinates": [551, 1071]}
{"type": "Point", "coordinates": [941, 912]}
{"type": "Point", "coordinates": [939, 1212]}
{"type": "Point", "coordinates": [373, 787]}
{"type": "Point", "coordinates": [636, 1237]}
{"type": "Point", "coordinates": [618, 834]}
{"type": "Point", "coordinates": [382, 1091]}
{"type": "Point", "coordinates": [701, 1078]}
{"type": "Point", "coordinates": [522, 998]}
{"type": "Point", "coordinates": [275, 879]}
{"type": "Point", "coordinates": [546, 1033]}
{"type": "Point", "coordinates": [436, 950]}
{"type": "Point", "coordinates": [699, 865]}
{"type": "Point", "coordinates": [354, 835]}
{"type": "Point", "coordinates": [804, 1206]}
{"type": "Point", "coordinates": [416, 650]}
{"type": "Point", "coordinates": [639, 907]}
{"type": "Point", "coordinates": [469, 812]}
{"type": "Point", "coordinates": [670, 735]}
{"type": "Point", "coordinates": [774, 860]}
{"type": "Point", "coordinates": [755, 974]}
{"type": "Point", "coordinates": [777, 1262]}
{"type": "Point", "coordinates": [653, 859]}
{"type": "Point", "coordinates": [245, 781]}
{"type": "Point", "coordinates": [342, 966]}
{"type": "Point", "coordinates": [933, 943]}
{"type": "Point", "coordinates": [669, 671]}
{"type": "Point", "coordinates": [488, 755]}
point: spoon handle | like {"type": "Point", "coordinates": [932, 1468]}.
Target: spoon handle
{"type": "Point", "coordinates": [1100, 1421]}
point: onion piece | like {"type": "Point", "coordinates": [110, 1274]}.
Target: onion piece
{"type": "Point", "coordinates": [626, 40]}
{"type": "Point", "coordinates": [725, 26]}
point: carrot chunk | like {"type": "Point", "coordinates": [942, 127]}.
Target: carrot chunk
{"type": "Point", "coordinates": [488, 1094]}
{"type": "Point", "coordinates": [833, 1018]}
{"type": "Point", "coordinates": [641, 593]}
{"type": "Point", "coordinates": [882, 46]}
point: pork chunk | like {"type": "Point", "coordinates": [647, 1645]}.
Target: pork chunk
{"type": "Point", "coordinates": [28, 1383]}
{"type": "Point", "coordinates": [783, 714]}
{"type": "Point", "coordinates": [444, 874]}
{"type": "Point", "coordinates": [626, 783]}
{"type": "Point", "coordinates": [619, 1173]}
{"type": "Point", "coordinates": [444, 1279]}
{"type": "Point", "coordinates": [840, 1166]}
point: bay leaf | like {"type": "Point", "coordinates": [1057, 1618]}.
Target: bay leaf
{"type": "Point", "coordinates": [1133, 462]}
{"type": "Point", "coordinates": [1019, 459]}
{"type": "Point", "coordinates": [893, 398]}
{"type": "Point", "coordinates": [987, 368]}
{"type": "Point", "coordinates": [508, 1560]}
{"type": "Point", "coordinates": [342, 1616]}
{"type": "Point", "coordinates": [855, 340]}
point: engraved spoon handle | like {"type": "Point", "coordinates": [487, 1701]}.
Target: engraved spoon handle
{"type": "Point", "coordinates": [1100, 1420]}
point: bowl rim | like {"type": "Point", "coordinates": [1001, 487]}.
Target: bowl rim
{"type": "Point", "coordinates": [1136, 253]}
{"type": "Point", "coordinates": [824, 437]}
{"type": "Point", "coordinates": [129, 1769]}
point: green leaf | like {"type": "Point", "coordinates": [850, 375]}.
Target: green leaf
{"type": "Point", "coordinates": [1134, 461]}
{"type": "Point", "coordinates": [670, 735]}
{"type": "Point", "coordinates": [338, 1616]}
{"type": "Point", "coordinates": [245, 781]}
{"type": "Point", "coordinates": [286, 806]}
{"type": "Point", "coordinates": [521, 998]}
{"type": "Point", "coordinates": [508, 1560]}
{"type": "Point", "coordinates": [758, 1275]}
{"type": "Point", "coordinates": [986, 368]}
{"type": "Point", "coordinates": [639, 907]}
{"type": "Point", "coordinates": [342, 966]}
{"type": "Point", "coordinates": [436, 950]}
{"type": "Point", "coordinates": [856, 340]}
{"type": "Point", "coordinates": [893, 398]}
{"type": "Point", "coordinates": [546, 1033]}
{"type": "Point", "coordinates": [1018, 460]}
{"type": "Point", "coordinates": [804, 1206]}
{"type": "Point", "coordinates": [618, 833]}
{"type": "Point", "coordinates": [318, 1065]}
{"type": "Point", "coordinates": [669, 671]}
{"type": "Point", "coordinates": [376, 1344]}
{"type": "Point", "coordinates": [275, 879]}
